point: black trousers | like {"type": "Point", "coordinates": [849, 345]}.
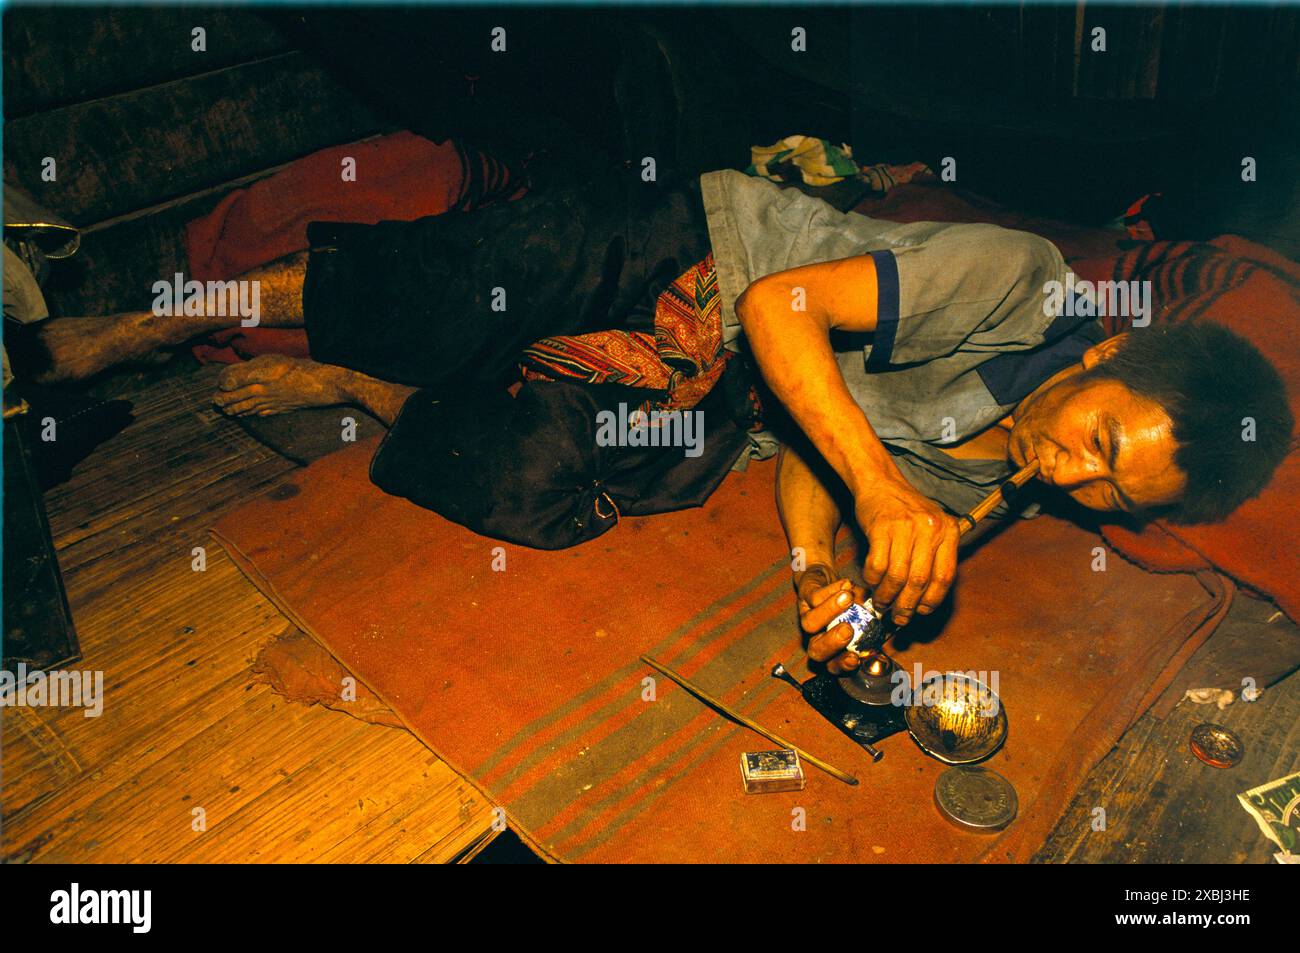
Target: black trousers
{"type": "Point", "coordinates": [451, 299]}
{"type": "Point", "coordinates": [446, 304]}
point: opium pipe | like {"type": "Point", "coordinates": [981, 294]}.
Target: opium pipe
{"type": "Point", "coordinates": [985, 506]}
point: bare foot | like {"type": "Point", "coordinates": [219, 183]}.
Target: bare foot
{"type": "Point", "coordinates": [275, 384]}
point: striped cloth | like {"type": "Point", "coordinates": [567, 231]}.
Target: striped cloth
{"type": "Point", "coordinates": [681, 360]}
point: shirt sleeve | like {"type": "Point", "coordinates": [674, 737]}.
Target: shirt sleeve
{"type": "Point", "coordinates": [964, 288]}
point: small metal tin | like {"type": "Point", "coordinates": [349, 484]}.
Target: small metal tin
{"type": "Point", "coordinates": [765, 772]}
{"type": "Point", "coordinates": [976, 799]}
{"type": "Point", "coordinates": [1217, 746]}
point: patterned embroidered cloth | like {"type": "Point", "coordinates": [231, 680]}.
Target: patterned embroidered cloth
{"type": "Point", "coordinates": [682, 359]}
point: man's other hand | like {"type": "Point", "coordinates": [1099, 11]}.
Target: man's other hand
{"type": "Point", "coordinates": [819, 603]}
{"type": "Point", "coordinates": [912, 559]}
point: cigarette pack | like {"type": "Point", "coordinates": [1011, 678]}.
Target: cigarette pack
{"type": "Point", "coordinates": [765, 772]}
{"type": "Point", "coordinates": [1275, 806]}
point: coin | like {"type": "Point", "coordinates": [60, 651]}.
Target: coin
{"type": "Point", "coordinates": [1217, 746]}
{"type": "Point", "coordinates": [976, 799]}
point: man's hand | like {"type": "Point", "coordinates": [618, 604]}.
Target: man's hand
{"type": "Point", "coordinates": [819, 603]}
{"type": "Point", "coordinates": [912, 558]}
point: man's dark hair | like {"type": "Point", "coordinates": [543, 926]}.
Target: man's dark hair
{"type": "Point", "coordinates": [1208, 380]}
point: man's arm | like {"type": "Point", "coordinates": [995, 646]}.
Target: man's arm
{"type": "Point", "coordinates": [811, 517]}
{"type": "Point", "coordinates": [787, 318]}
{"type": "Point", "coordinates": [809, 513]}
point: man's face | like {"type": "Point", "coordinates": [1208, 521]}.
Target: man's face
{"type": "Point", "coordinates": [1099, 442]}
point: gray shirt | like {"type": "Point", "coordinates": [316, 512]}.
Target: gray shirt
{"type": "Point", "coordinates": [965, 328]}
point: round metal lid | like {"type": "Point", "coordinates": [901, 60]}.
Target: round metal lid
{"type": "Point", "coordinates": [1216, 745]}
{"type": "Point", "coordinates": [976, 799]}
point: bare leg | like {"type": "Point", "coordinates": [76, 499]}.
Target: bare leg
{"type": "Point", "coordinates": [275, 384]}
{"type": "Point", "coordinates": [75, 348]}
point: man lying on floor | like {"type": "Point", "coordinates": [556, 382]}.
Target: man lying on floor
{"type": "Point", "coordinates": [920, 363]}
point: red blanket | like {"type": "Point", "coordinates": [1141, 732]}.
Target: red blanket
{"type": "Point", "coordinates": [527, 681]}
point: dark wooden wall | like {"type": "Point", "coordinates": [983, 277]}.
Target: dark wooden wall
{"type": "Point", "coordinates": [1041, 53]}
{"type": "Point", "coordinates": [1040, 120]}
{"type": "Point", "coordinates": [1179, 53]}
{"type": "Point", "coordinates": [148, 134]}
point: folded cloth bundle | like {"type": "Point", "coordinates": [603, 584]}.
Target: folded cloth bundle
{"type": "Point", "coordinates": [819, 162]}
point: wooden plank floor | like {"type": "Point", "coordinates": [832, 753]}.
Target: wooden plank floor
{"type": "Point", "coordinates": [184, 725]}
{"type": "Point", "coordinates": [1163, 806]}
